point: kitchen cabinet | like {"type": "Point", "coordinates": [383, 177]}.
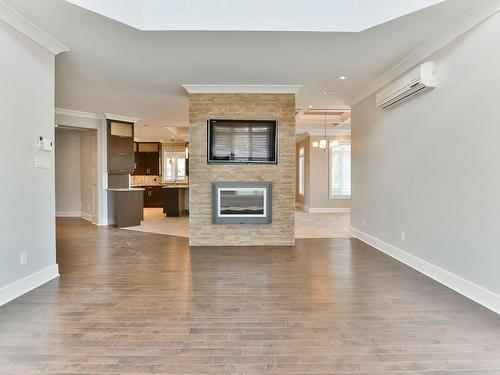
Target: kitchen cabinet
{"type": "Point", "coordinates": [175, 200]}
{"type": "Point", "coordinates": [120, 147]}
{"type": "Point", "coordinates": [125, 207]}
{"type": "Point", "coordinates": [147, 159]}
{"type": "Point", "coordinates": [153, 196]}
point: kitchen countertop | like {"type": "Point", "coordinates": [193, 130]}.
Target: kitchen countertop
{"type": "Point", "coordinates": [126, 189]}
{"type": "Point", "coordinates": [165, 186]}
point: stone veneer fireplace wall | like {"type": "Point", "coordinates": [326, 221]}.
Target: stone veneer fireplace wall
{"type": "Point", "coordinates": [202, 231]}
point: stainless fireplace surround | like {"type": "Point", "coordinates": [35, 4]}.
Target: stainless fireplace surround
{"type": "Point", "coordinates": [242, 202]}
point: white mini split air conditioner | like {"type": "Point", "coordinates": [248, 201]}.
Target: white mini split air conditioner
{"type": "Point", "coordinates": [417, 80]}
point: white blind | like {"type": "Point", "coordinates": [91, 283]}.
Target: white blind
{"type": "Point", "coordinates": [340, 170]}
{"type": "Point", "coordinates": [174, 165]}
{"type": "Point", "coordinates": [301, 171]}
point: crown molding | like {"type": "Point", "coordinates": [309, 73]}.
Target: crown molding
{"type": "Point", "coordinates": [73, 113]}
{"type": "Point", "coordinates": [476, 15]}
{"type": "Point", "coordinates": [22, 24]}
{"type": "Point", "coordinates": [242, 89]}
{"type": "Point", "coordinates": [329, 132]}
{"type": "Point", "coordinates": [111, 116]}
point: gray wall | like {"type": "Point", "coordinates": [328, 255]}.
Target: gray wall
{"type": "Point", "coordinates": [68, 172]}
{"type": "Point", "coordinates": [431, 166]}
{"type": "Point", "coordinates": [27, 215]}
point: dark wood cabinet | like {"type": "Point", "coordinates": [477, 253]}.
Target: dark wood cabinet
{"type": "Point", "coordinates": [153, 196]}
{"type": "Point", "coordinates": [147, 158]}
{"type": "Point", "coordinates": [174, 201]}
{"type": "Point", "coordinates": [120, 147]}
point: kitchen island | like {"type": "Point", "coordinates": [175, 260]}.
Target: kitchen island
{"type": "Point", "coordinates": [125, 206]}
{"type": "Point", "coordinates": [175, 199]}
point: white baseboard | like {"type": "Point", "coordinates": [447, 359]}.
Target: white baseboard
{"type": "Point", "coordinates": [323, 210]}
{"type": "Point", "coordinates": [477, 293]}
{"type": "Point", "coordinates": [328, 210]}
{"type": "Point", "coordinates": [28, 283]}
{"type": "Point", "coordinates": [68, 214]}
{"type": "Point", "coordinates": [88, 217]}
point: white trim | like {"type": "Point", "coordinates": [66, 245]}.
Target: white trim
{"type": "Point", "coordinates": [88, 217]}
{"type": "Point", "coordinates": [72, 112]}
{"type": "Point", "coordinates": [28, 283]}
{"type": "Point", "coordinates": [16, 20]}
{"type": "Point", "coordinates": [465, 287]}
{"type": "Point", "coordinates": [329, 210]}
{"type": "Point", "coordinates": [111, 116]}
{"type": "Point", "coordinates": [319, 132]}
{"type": "Point", "coordinates": [68, 214]}
{"type": "Point", "coordinates": [103, 223]}
{"type": "Point", "coordinates": [323, 210]}
{"type": "Point", "coordinates": [242, 89]}
{"type": "Point", "coordinates": [476, 15]}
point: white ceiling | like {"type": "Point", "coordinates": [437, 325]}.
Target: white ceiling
{"type": "Point", "coordinates": [254, 15]}
{"type": "Point", "coordinates": [115, 68]}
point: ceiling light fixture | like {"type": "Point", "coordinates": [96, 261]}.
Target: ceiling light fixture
{"type": "Point", "coordinates": [342, 78]}
{"type": "Point", "coordinates": [328, 93]}
{"type": "Point", "coordinates": [309, 106]}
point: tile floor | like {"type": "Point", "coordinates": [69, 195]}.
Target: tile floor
{"type": "Point", "coordinates": [307, 225]}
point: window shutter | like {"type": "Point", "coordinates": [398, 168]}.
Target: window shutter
{"type": "Point", "coordinates": [340, 170]}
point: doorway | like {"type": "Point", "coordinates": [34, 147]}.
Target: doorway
{"type": "Point", "coordinates": [76, 173]}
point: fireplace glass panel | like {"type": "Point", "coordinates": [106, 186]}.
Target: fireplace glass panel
{"type": "Point", "coordinates": [242, 202]}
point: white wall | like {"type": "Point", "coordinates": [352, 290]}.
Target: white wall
{"type": "Point", "coordinates": [68, 163]}
{"type": "Point", "coordinates": [27, 215]}
{"type": "Point", "coordinates": [431, 167]}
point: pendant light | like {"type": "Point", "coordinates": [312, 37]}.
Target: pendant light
{"type": "Point", "coordinates": [323, 143]}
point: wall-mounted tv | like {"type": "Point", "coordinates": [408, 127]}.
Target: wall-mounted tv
{"type": "Point", "coordinates": [242, 141]}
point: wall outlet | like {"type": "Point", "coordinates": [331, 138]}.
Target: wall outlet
{"type": "Point", "coordinates": [403, 236]}
{"type": "Point", "coordinates": [364, 221]}
{"type": "Point", "coordinates": [23, 258]}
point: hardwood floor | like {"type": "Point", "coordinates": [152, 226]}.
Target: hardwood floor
{"type": "Point", "coordinates": [131, 302]}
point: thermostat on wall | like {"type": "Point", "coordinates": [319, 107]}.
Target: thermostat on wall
{"type": "Point", "coordinates": [44, 144]}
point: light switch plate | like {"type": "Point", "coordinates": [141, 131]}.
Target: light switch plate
{"type": "Point", "coordinates": [42, 162]}
{"type": "Point", "coordinates": [23, 258]}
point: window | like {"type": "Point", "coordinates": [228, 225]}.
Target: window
{"type": "Point", "coordinates": [301, 171]}
{"type": "Point", "coordinates": [340, 170]}
{"type": "Point", "coordinates": [174, 164]}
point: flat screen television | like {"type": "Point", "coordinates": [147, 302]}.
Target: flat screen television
{"type": "Point", "coordinates": [242, 141]}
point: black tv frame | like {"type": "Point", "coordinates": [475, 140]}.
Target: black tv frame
{"type": "Point", "coordinates": [276, 145]}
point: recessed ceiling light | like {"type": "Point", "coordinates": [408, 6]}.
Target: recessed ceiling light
{"type": "Point", "coordinates": [309, 106]}
{"type": "Point", "coordinates": [343, 77]}
{"type": "Point", "coordinates": [328, 93]}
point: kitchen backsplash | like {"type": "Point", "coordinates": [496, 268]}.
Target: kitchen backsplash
{"type": "Point", "coordinates": [145, 180]}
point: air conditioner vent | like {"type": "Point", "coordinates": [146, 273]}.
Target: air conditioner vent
{"type": "Point", "coordinates": [418, 80]}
